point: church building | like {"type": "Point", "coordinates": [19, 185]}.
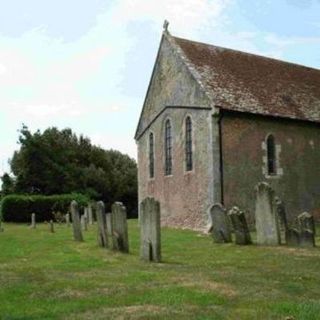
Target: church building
{"type": "Point", "coordinates": [215, 122]}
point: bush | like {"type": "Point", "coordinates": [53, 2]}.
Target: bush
{"type": "Point", "coordinates": [18, 208]}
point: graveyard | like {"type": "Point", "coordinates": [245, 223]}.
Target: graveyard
{"type": "Point", "coordinates": [49, 275]}
{"type": "Point", "coordinates": [170, 179]}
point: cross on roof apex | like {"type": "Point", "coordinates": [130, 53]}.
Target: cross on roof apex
{"type": "Point", "coordinates": [165, 25]}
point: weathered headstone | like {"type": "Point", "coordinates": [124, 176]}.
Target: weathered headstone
{"type": "Point", "coordinates": [102, 227]}
{"type": "Point", "coordinates": [150, 230]}
{"type": "Point", "coordinates": [282, 218]}
{"type": "Point", "coordinates": [220, 225]}
{"type": "Point", "coordinates": [109, 227]}
{"type": "Point", "coordinates": [84, 223]}
{"type": "Point", "coordinates": [120, 241]}
{"type": "Point", "coordinates": [293, 237]}
{"type": "Point", "coordinates": [85, 211]}
{"type": "Point", "coordinates": [33, 221]}
{"type": "Point", "coordinates": [76, 225]}
{"type": "Point", "coordinates": [51, 226]}
{"type": "Point", "coordinates": [267, 224]}
{"type": "Point", "coordinates": [90, 214]}
{"type": "Point", "coordinates": [240, 226]}
{"type": "Point", "coordinates": [307, 230]}
{"type": "Point", "coordinates": [67, 216]}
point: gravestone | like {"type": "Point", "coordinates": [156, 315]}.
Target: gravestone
{"type": "Point", "coordinates": [84, 223]}
{"type": "Point", "coordinates": [109, 227]}
{"type": "Point", "coordinates": [281, 212]}
{"type": "Point", "coordinates": [150, 230]}
{"type": "Point", "coordinates": [51, 226]}
{"type": "Point", "coordinates": [76, 225]}
{"type": "Point", "coordinates": [102, 226]}
{"type": "Point", "coordinates": [307, 230]}
{"type": "Point", "coordinates": [240, 226]}
{"type": "Point", "coordinates": [293, 237]}
{"type": "Point", "coordinates": [267, 224]}
{"type": "Point", "coordinates": [282, 217]}
{"type": "Point", "coordinates": [33, 221]}
{"type": "Point", "coordinates": [119, 228]}
{"type": "Point", "coordinates": [67, 216]}
{"type": "Point", "coordinates": [90, 214]}
{"type": "Point", "coordinates": [220, 225]}
{"type": "Point", "coordinates": [85, 212]}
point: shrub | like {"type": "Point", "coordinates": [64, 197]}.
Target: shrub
{"type": "Point", "coordinates": [18, 208]}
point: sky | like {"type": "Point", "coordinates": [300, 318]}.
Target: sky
{"type": "Point", "coordinates": [86, 64]}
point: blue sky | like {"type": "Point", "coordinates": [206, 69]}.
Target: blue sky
{"type": "Point", "coordinates": [86, 64]}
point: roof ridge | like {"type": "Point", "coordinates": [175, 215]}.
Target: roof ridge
{"type": "Point", "coordinates": [242, 81]}
{"type": "Point", "coordinates": [246, 53]}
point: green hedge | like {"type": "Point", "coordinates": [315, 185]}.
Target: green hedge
{"type": "Point", "coordinates": [18, 208]}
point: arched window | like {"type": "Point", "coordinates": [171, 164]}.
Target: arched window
{"type": "Point", "coordinates": [168, 148]}
{"type": "Point", "coordinates": [271, 155]}
{"type": "Point", "coordinates": [188, 146]}
{"type": "Point", "coordinates": [151, 155]}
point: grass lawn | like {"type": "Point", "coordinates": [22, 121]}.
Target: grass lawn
{"type": "Point", "coordinates": [49, 276]}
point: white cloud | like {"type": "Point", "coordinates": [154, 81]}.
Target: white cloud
{"type": "Point", "coordinates": [3, 69]}
{"type": "Point", "coordinates": [116, 142]}
{"type": "Point", "coordinates": [46, 111]}
{"type": "Point", "coordinates": [278, 41]}
{"type": "Point", "coordinates": [186, 16]}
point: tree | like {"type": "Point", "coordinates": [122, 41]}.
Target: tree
{"type": "Point", "coordinates": [55, 162]}
{"type": "Point", "coordinates": [7, 184]}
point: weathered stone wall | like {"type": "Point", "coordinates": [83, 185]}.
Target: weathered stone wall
{"type": "Point", "coordinates": [297, 182]}
{"type": "Point", "coordinates": [171, 85]}
{"type": "Point", "coordinates": [185, 197]}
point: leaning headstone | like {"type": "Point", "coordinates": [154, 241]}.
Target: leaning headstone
{"type": "Point", "coordinates": [220, 225]}
{"type": "Point", "coordinates": [267, 224]}
{"type": "Point", "coordinates": [109, 227]}
{"type": "Point", "coordinates": [281, 212]}
{"type": "Point", "coordinates": [90, 214]}
{"type": "Point", "coordinates": [293, 237]}
{"type": "Point", "coordinates": [84, 223]}
{"type": "Point", "coordinates": [282, 218]}
{"type": "Point", "coordinates": [51, 226]}
{"type": "Point", "coordinates": [150, 235]}
{"type": "Point", "coordinates": [85, 212]}
{"type": "Point", "coordinates": [120, 241]}
{"type": "Point", "coordinates": [307, 230]}
{"type": "Point", "coordinates": [240, 226]}
{"type": "Point", "coordinates": [76, 225]}
{"type": "Point", "coordinates": [102, 227]}
{"type": "Point", "coordinates": [33, 221]}
{"type": "Point", "coordinates": [67, 216]}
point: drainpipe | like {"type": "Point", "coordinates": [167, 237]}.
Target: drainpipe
{"type": "Point", "coordinates": [221, 155]}
{"type": "Point", "coordinates": [217, 157]}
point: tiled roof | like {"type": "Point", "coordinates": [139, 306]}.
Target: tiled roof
{"type": "Point", "coordinates": [245, 82]}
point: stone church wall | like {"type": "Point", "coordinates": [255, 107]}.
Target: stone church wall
{"type": "Point", "coordinates": [297, 181]}
{"type": "Point", "coordinates": [184, 197]}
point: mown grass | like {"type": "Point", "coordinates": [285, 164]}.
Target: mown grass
{"type": "Point", "coordinates": [49, 276]}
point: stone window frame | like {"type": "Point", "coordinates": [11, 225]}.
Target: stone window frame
{"type": "Point", "coordinates": [265, 168]}
{"type": "Point", "coordinates": [184, 125]}
{"type": "Point", "coordinates": [168, 156]}
{"type": "Point", "coordinates": [151, 156]}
